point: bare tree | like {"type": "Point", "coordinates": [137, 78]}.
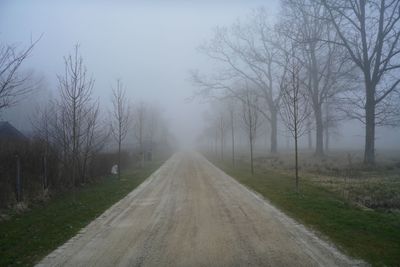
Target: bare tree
{"type": "Point", "coordinates": [154, 125]}
{"type": "Point", "coordinates": [93, 138]}
{"type": "Point", "coordinates": [247, 51]}
{"type": "Point", "coordinates": [251, 120]}
{"type": "Point", "coordinates": [294, 111]}
{"type": "Point", "coordinates": [218, 122]}
{"type": "Point", "coordinates": [331, 121]}
{"type": "Point", "coordinates": [13, 82]}
{"type": "Point", "coordinates": [232, 115]}
{"type": "Point", "coordinates": [324, 61]}
{"type": "Point", "coordinates": [75, 104]}
{"type": "Point", "coordinates": [309, 134]}
{"type": "Point", "coordinates": [42, 124]}
{"type": "Point", "coordinates": [120, 118]}
{"type": "Point", "coordinates": [140, 117]}
{"type": "Point", "coordinates": [369, 30]}
{"type": "Point", "coordinates": [221, 133]}
{"type": "Point", "coordinates": [70, 126]}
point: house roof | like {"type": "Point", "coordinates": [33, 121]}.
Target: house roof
{"type": "Point", "coordinates": [7, 131]}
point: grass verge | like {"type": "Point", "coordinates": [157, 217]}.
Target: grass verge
{"type": "Point", "coordinates": [367, 234]}
{"type": "Point", "coordinates": [27, 238]}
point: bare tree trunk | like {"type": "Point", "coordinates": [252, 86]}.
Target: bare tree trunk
{"type": "Point", "coordinates": [216, 143]}
{"type": "Point", "coordinates": [140, 128]}
{"type": "Point", "coordinates": [369, 153]}
{"type": "Point", "coordinates": [319, 133]}
{"type": "Point", "coordinates": [222, 146]}
{"type": "Point", "coordinates": [316, 101]}
{"type": "Point", "coordinates": [309, 135]}
{"type": "Point", "coordinates": [287, 140]}
{"type": "Point", "coordinates": [274, 131]}
{"type": "Point", "coordinates": [327, 127]}
{"type": "Point", "coordinates": [296, 136]}
{"type": "Point", "coordinates": [251, 156]}
{"type": "Point", "coordinates": [251, 120]}
{"type": "Point", "coordinates": [119, 158]}
{"type": "Point", "coordinates": [141, 146]}
{"type": "Point", "coordinates": [327, 137]}
{"type": "Point", "coordinates": [296, 159]}
{"type": "Point", "coordinates": [74, 143]}
{"type": "Point", "coordinates": [251, 142]}
{"type": "Point", "coordinates": [233, 138]}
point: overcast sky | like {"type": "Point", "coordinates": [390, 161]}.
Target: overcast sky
{"type": "Point", "coordinates": [150, 45]}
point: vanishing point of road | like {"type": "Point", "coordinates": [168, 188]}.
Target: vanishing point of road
{"type": "Point", "coordinates": [190, 213]}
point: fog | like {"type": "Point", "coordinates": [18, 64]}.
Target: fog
{"type": "Point", "coordinates": [150, 45]}
{"type": "Point", "coordinates": [199, 133]}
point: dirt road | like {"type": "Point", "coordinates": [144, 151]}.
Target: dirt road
{"type": "Point", "coordinates": [189, 213]}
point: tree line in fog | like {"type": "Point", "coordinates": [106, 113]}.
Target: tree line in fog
{"type": "Point", "coordinates": [73, 139]}
{"type": "Point", "coordinates": [318, 63]}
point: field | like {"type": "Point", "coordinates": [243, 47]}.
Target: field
{"type": "Point", "coordinates": [342, 173]}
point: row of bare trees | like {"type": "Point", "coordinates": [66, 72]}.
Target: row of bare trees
{"type": "Point", "coordinates": [143, 120]}
{"type": "Point", "coordinates": [72, 136]}
{"type": "Point", "coordinates": [232, 120]}
{"type": "Point", "coordinates": [345, 54]}
{"type": "Point", "coordinates": [70, 124]}
{"type": "Point", "coordinates": [74, 124]}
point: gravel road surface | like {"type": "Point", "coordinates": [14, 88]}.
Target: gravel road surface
{"type": "Point", "coordinates": [190, 213]}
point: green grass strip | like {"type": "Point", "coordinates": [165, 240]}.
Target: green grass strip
{"type": "Point", "coordinates": [370, 235]}
{"type": "Point", "coordinates": [25, 239]}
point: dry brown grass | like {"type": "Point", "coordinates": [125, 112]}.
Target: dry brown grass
{"type": "Point", "coordinates": [343, 173]}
